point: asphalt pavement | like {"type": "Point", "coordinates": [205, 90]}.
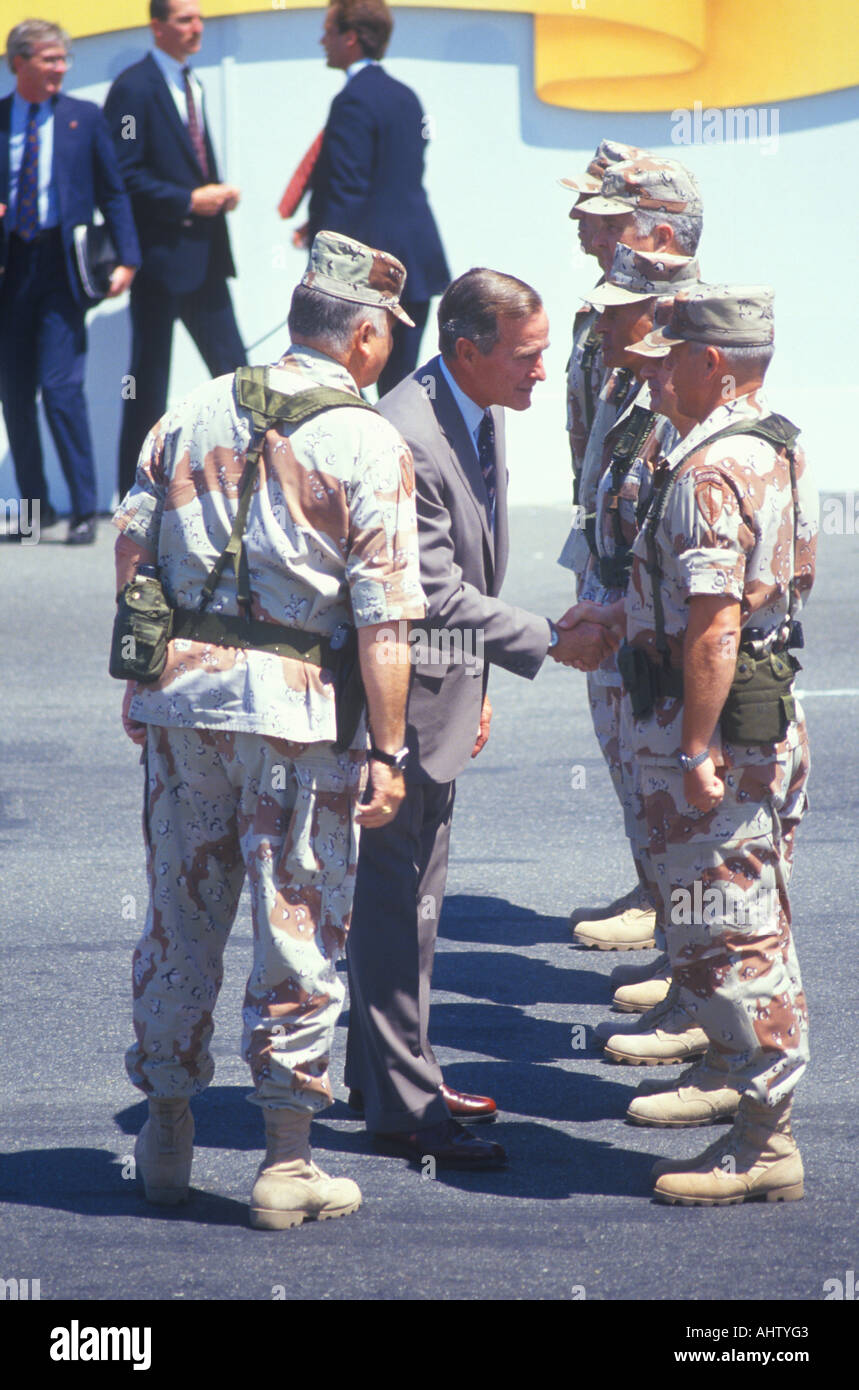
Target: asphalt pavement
{"type": "Point", "coordinates": [537, 831]}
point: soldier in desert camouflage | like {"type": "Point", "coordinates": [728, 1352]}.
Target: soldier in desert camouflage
{"type": "Point", "coordinates": [243, 778]}
{"type": "Point", "coordinates": [649, 204]}
{"type": "Point", "coordinates": [720, 570]}
{"type": "Point", "coordinates": [638, 283]}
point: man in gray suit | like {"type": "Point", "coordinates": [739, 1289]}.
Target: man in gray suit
{"type": "Point", "coordinates": [493, 331]}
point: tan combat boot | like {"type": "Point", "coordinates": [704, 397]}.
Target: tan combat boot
{"type": "Point", "coordinates": [663, 1035]}
{"type": "Point", "coordinates": [700, 1096]}
{"type": "Point", "coordinates": [164, 1150]}
{"type": "Point", "coordinates": [634, 898]}
{"type": "Point", "coordinates": [630, 926]}
{"type": "Point", "coordinates": [645, 994]}
{"type": "Point", "coordinates": [635, 974]}
{"type": "Point", "coordinates": [758, 1158]}
{"type": "Point", "coordinates": [289, 1188]}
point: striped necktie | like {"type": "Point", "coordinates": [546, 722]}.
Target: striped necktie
{"type": "Point", "coordinates": [28, 180]}
{"type": "Point", "coordinates": [486, 457]}
{"type": "Point", "coordinates": [194, 130]}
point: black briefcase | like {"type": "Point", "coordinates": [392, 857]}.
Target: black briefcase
{"type": "Point", "coordinates": [95, 260]}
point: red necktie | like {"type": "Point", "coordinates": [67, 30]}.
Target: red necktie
{"type": "Point", "coordinates": [194, 130]}
{"type": "Point", "coordinates": [297, 185]}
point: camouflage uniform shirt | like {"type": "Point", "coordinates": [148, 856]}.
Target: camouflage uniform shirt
{"type": "Point", "coordinates": [727, 529]}
{"type": "Point", "coordinates": [636, 489]}
{"type": "Point", "coordinates": [331, 538]}
{"type": "Point", "coordinates": [583, 387]}
{"type": "Point", "coordinates": [617, 389]}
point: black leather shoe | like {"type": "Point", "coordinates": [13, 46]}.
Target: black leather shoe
{"type": "Point", "coordinates": [468, 1109]}
{"type": "Point", "coordinates": [448, 1143]}
{"type": "Point", "coordinates": [82, 531]}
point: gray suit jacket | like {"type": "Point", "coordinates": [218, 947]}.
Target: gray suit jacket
{"type": "Point", "coordinates": [462, 568]}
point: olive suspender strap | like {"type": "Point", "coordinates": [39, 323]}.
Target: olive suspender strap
{"type": "Point", "coordinates": [776, 430]}
{"type": "Point", "coordinates": [589, 351]}
{"type": "Point", "coordinates": [635, 431]}
{"type": "Point", "coordinates": [267, 407]}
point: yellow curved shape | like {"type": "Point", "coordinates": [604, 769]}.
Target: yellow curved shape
{"type": "Point", "coordinates": [715, 52]}
{"type": "Point", "coordinates": [614, 55]}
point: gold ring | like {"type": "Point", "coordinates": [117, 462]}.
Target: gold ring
{"type": "Point", "coordinates": [387, 810]}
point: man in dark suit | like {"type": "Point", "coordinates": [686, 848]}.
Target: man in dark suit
{"type": "Point", "coordinates": [492, 334]}
{"type": "Point", "coordinates": [156, 113]}
{"type": "Point", "coordinates": [56, 166]}
{"type": "Point", "coordinates": [368, 178]}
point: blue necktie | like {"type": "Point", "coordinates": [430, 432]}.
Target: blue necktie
{"type": "Point", "coordinates": [28, 180]}
{"type": "Point", "coordinates": [486, 457]}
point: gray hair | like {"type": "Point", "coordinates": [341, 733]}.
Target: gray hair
{"type": "Point", "coordinates": [325, 319]}
{"type": "Point", "coordinates": [748, 361]}
{"type": "Point", "coordinates": [745, 362]}
{"type": "Point", "coordinates": [472, 305]}
{"type": "Point", "coordinates": [687, 227]}
{"type": "Point", "coordinates": [29, 34]}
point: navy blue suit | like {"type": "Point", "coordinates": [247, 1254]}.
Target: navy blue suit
{"type": "Point", "coordinates": [42, 332]}
{"type": "Point", "coordinates": [186, 258]}
{"type": "Point", "coordinates": [368, 183]}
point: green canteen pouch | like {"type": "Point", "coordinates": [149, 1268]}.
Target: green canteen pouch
{"type": "Point", "coordinates": [760, 702]}
{"type": "Point", "coordinates": [141, 630]}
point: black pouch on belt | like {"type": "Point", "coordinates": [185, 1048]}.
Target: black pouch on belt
{"type": "Point", "coordinates": [349, 692]}
{"type": "Point", "coordinates": [637, 676]}
{"type": "Point", "coordinates": [141, 629]}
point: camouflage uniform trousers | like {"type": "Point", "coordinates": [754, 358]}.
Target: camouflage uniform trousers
{"type": "Point", "coordinates": [721, 883]}
{"type": "Point", "coordinates": [605, 705]}
{"type": "Point", "coordinates": [219, 806]}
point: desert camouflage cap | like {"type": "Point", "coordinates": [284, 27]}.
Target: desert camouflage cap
{"type": "Point", "coordinates": [722, 315]}
{"type": "Point", "coordinates": [637, 275]}
{"type": "Point", "coordinates": [607, 152]}
{"type": "Point", "coordinates": [347, 269]}
{"type": "Point", "coordinates": [649, 183]}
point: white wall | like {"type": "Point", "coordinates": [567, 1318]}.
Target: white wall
{"type": "Point", "coordinates": [786, 217]}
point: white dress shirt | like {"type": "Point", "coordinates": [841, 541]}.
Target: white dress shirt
{"type": "Point", "coordinates": [358, 65]}
{"type": "Point", "coordinates": [172, 71]}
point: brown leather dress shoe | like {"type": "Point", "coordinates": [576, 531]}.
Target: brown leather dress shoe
{"type": "Point", "coordinates": [448, 1144]}
{"type": "Point", "coordinates": [465, 1108]}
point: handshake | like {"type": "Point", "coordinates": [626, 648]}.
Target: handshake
{"type": "Point", "coordinates": [588, 633]}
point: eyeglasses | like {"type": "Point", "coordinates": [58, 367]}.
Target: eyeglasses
{"type": "Point", "coordinates": [62, 60]}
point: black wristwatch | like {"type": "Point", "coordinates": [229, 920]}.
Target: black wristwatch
{"type": "Point", "coordinates": [689, 764]}
{"type": "Point", "coordinates": [398, 760]}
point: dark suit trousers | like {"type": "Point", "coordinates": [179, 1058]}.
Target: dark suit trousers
{"type": "Point", "coordinates": [43, 344]}
{"type": "Point", "coordinates": [207, 313]}
{"type": "Point", "coordinates": [402, 871]}
{"type": "Point", "coordinates": [406, 349]}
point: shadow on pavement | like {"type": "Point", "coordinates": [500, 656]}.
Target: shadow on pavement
{"type": "Point", "coordinates": [543, 1163]}
{"type": "Point", "coordinates": [509, 978]}
{"type": "Point", "coordinates": [90, 1182]}
{"type": "Point", "coordinates": [471, 917]}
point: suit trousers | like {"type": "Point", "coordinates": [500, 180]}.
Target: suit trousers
{"type": "Point", "coordinates": [207, 313]}
{"type": "Point", "coordinates": [402, 871]}
{"type": "Point", "coordinates": [406, 349]}
{"type": "Point", "coordinates": [43, 344]}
